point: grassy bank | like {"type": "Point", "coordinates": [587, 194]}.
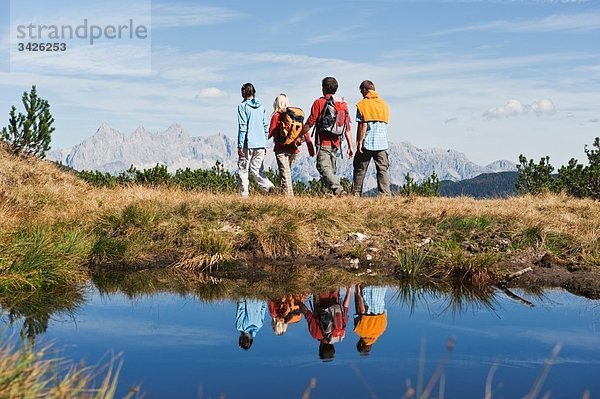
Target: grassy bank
{"type": "Point", "coordinates": [54, 227]}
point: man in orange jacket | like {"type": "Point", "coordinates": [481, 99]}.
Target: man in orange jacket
{"type": "Point", "coordinates": [372, 117]}
{"type": "Point", "coordinates": [370, 320]}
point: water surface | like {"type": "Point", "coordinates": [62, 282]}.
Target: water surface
{"type": "Point", "coordinates": [178, 346]}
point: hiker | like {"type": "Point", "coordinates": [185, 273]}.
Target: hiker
{"type": "Point", "coordinates": [372, 117]}
{"type": "Point", "coordinates": [285, 129]}
{"type": "Point", "coordinates": [327, 320]}
{"type": "Point", "coordinates": [370, 319]}
{"type": "Point", "coordinates": [331, 121]}
{"type": "Point", "coordinates": [249, 319]}
{"type": "Point", "coordinates": [253, 128]}
{"type": "Point", "coordinates": [285, 311]}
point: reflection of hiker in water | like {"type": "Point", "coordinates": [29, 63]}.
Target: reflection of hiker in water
{"type": "Point", "coordinates": [327, 320]}
{"type": "Point", "coordinates": [249, 319]}
{"type": "Point", "coordinates": [285, 311]}
{"type": "Point", "coordinates": [370, 320]}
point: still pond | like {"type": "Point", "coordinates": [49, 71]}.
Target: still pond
{"type": "Point", "coordinates": [175, 345]}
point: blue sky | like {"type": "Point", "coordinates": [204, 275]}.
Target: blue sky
{"type": "Point", "coordinates": [492, 79]}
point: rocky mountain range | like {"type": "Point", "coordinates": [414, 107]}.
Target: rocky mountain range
{"type": "Point", "coordinates": [109, 150]}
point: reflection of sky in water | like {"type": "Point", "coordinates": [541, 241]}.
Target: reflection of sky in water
{"type": "Point", "coordinates": [178, 347]}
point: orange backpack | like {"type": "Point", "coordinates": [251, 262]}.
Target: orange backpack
{"type": "Point", "coordinates": [290, 125]}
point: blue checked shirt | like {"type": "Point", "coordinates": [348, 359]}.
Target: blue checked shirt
{"type": "Point", "coordinates": [374, 298]}
{"type": "Point", "coordinates": [376, 135]}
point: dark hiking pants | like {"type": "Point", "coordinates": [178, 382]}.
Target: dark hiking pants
{"type": "Point", "coordinates": [361, 163]}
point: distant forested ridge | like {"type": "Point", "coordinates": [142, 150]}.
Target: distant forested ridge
{"type": "Point", "coordinates": [486, 185]}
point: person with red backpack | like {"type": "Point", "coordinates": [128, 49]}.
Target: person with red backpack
{"type": "Point", "coordinates": [327, 320]}
{"type": "Point", "coordinates": [285, 129]}
{"type": "Point", "coordinates": [331, 121]}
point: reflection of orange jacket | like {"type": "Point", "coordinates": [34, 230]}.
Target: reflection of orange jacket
{"type": "Point", "coordinates": [370, 327]}
{"type": "Point", "coordinates": [286, 308]}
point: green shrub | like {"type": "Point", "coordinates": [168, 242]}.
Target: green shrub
{"type": "Point", "coordinates": [575, 179]}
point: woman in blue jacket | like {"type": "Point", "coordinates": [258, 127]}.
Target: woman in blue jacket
{"type": "Point", "coordinates": [253, 130]}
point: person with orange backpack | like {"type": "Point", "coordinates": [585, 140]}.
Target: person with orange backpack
{"type": "Point", "coordinates": [285, 129]}
{"type": "Point", "coordinates": [327, 320]}
{"type": "Point", "coordinates": [331, 121]}
{"type": "Point", "coordinates": [285, 311]}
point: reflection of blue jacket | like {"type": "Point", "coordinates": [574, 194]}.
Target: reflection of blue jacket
{"type": "Point", "coordinates": [253, 125]}
{"type": "Point", "coordinates": [250, 316]}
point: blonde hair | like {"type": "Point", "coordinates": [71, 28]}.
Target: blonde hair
{"type": "Point", "coordinates": [281, 102]}
{"type": "Point", "coordinates": [279, 326]}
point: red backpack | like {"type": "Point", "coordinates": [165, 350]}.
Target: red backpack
{"type": "Point", "coordinates": [334, 117]}
{"type": "Point", "coordinates": [332, 323]}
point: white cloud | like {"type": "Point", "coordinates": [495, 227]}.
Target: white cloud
{"type": "Point", "coordinates": [212, 92]}
{"type": "Point", "coordinates": [543, 107]}
{"type": "Point", "coordinates": [511, 108]}
{"type": "Point", "coordinates": [178, 15]}
{"type": "Point", "coordinates": [575, 23]}
{"type": "Point", "coordinates": [517, 108]}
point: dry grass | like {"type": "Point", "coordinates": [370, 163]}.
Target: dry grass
{"type": "Point", "coordinates": [131, 223]}
{"type": "Point", "coordinates": [27, 373]}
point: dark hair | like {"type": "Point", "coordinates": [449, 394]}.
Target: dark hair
{"type": "Point", "coordinates": [330, 85]}
{"type": "Point", "coordinates": [367, 85]}
{"type": "Point", "coordinates": [248, 90]}
{"type": "Point", "coordinates": [245, 341]}
{"type": "Point", "coordinates": [326, 351]}
{"type": "Point", "coordinates": [363, 348]}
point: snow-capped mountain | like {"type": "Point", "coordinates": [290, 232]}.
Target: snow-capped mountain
{"type": "Point", "coordinates": [111, 151]}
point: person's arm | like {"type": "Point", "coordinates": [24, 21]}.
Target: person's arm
{"type": "Point", "coordinates": [346, 303]}
{"type": "Point", "coordinates": [349, 142]}
{"type": "Point", "coordinates": [266, 124]}
{"type": "Point", "coordinates": [273, 124]}
{"type": "Point", "coordinates": [242, 129]}
{"type": "Point", "coordinates": [303, 308]}
{"type": "Point", "coordinates": [359, 302]}
{"type": "Point", "coordinates": [361, 131]}
{"type": "Point", "coordinates": [315, 110]}
{"type": "Point", "coordinates": [309, 144]}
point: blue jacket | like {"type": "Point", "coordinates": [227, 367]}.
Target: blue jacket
{"type": "Point", "coordinates": [253, 125]}
{"type": "Point", "coordinates": [250, 316]}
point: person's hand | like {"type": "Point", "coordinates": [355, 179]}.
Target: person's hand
{"type": "Point", "coordinates": [241, 153]}
{"type": "Point", "coordinates": [350, 152]}
{"type": "Point", "coordinates": [359, 148]}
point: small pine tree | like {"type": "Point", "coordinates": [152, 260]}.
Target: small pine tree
{"type": "Point", "coordinates": [575, 179]}
{"type": "Point", "coordinates": [30, 133]}
{"type": "Point", "coordinates": [535, 178]}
